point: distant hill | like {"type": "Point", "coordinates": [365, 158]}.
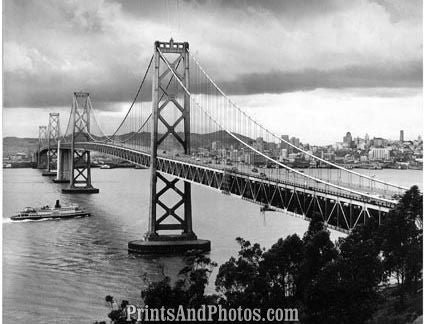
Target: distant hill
{"type": "Point", "coordinates": [13, 145]}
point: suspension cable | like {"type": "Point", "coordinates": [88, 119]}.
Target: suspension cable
{"type": "Point", "coordinates": [135, 98]}
{"type": "Point", "coordinates": [289, 143]}
{"type": "Point", "coordinates": [150, 115]}
{"type": "Point", "coordinates": [261, 153]}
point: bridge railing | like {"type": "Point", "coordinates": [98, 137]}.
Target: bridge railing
{"type": "Point", "coordinates": [274, 176]}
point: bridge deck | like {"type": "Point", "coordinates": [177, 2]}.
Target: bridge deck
{"type": "Point", "coordinates": [340, 209]}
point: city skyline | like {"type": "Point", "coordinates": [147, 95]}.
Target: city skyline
{"type": "Point", "coordinates": [19, 121]}
{"type": "Point", "coordinates": [33, 132]}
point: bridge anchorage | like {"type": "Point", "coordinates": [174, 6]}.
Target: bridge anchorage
{"type": "Point", "coordinates": [171, 60]}
{"type": "Point", "coordinates": [74, 161]}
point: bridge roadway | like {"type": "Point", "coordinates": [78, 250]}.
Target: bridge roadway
{"type": "Point", "coordinates": [340, 209]}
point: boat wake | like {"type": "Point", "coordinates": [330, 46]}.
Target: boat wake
{"type": "Point", "coordinates": [10, 221]}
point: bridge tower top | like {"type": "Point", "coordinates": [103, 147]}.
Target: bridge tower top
{"type": "Point", "coordinates": [42, 136]}
{"type": "Point", "coordinates": [80, 116]}
{"type": "Point", "coordinates": [53, 128]}
{"type": "Point", "coordinates": [172, 46]}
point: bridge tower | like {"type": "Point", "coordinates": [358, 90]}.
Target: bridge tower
{"type": "Point", "coordinates": [154, 242]}
{"type": "Point", "coordinates": [41, 158]}
{"type": "Point", "coordinates": [53, 134]}
{"type": "Point", "coordinates": [80, 168]}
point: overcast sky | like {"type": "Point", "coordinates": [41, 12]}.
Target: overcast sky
{"type": "Point", "coordinates": [300, 60]}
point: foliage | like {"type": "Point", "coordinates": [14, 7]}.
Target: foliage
{"type": "Point", "coordinates": [327, 282]}
{"type": "Point", "coordinates": [187, 291]}
{"type": "Point", "coordinates": [239, 280]}
{"type": "Point", "coordinates": [402, 238]}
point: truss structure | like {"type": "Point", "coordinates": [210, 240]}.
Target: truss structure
{"type": "Point", "coordinates": [42, 140]}
{"type": "Point", "coordinates": [80, 160]}
{"type": "Point", "coordinates": [52, 140]}
{"type": "Point", "coordinates": [163, 97]}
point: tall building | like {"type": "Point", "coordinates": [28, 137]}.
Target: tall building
{"type": "Point", "coordinates": [379, 154]}
{"type": "Point", "coordinates": [402, 136]}
{"type": "Point", "coordinates": [379, 142]}
{"type": "Point", "coordinates": [283, 145]}
{"type": "Point", "coordinates": [259, 143]}
{"type": "Point", "coordinates": [347, 139]}
{"type": "Point", "coordinates": [295, 141]}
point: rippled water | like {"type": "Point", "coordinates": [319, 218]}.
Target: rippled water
{"type": "Point", "coordinates": [60, 271]}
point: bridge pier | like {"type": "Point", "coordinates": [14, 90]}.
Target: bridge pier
{"type": "Point", "coordinates": [41, 161]}
{"type": "Point", "coordinates": [80, 174]}
{"type": "Point", "coordinates": [63, 165]}
{"type": "Point", "coordinates": [48, 174]}
{"type": "Point", "coordinates": [153, 242]}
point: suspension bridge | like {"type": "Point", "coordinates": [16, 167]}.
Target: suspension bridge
{"type": "Point", "coordinates": [184, 127]}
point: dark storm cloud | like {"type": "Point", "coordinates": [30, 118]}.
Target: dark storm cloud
{"type": "Point", "coordinates": [298, 8]}
{"type": "Point", "coordinates": [302, 8]}
{"type": "Point", "coordinates": [52, 48]}
{"type": "Point", "coordinates": [58, 90]}
{"type": "Point", "coordinates": [409, 75]}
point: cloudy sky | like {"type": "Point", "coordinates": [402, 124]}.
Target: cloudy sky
{"type": "Point", "coordinates": [313, 69]}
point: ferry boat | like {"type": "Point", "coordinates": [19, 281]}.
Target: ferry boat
{"type": "Point", "coordinates": [55, 212]}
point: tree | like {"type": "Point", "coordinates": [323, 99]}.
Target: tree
{"type": "Point", "coordinates": [327, 282]}
{"type": "Point", "coordinates": [319, 251]}
{"type": "Point", "coordinates": [239, 281]}
{"type": "Point", "coordinates": [360, 272]}
{"type": "Point", "coordinates": [188, 291]}
{"type": "Point", "coordinates": [402, 238]}
{"type": "Point", "coordinates": [281, 265]}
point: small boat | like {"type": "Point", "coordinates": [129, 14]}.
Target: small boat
{"type": "Point", "coordinates": [58, 211]}
{"type": "Point", "coordinates": [105, 166]}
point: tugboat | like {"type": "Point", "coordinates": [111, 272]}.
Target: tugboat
{"type": "Point", "coordinates": [55, 212]}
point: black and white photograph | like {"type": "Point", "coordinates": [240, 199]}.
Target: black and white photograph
{"type": "Point", "coordinates": [212, 161]}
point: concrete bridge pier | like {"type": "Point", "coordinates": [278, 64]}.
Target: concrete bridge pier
{"type": "Point", "coordinates": [63, 165]}
{"type": "Point", "coordinates": [41, 160]}
{"type": "Point", "coordinates": [49, 172]}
